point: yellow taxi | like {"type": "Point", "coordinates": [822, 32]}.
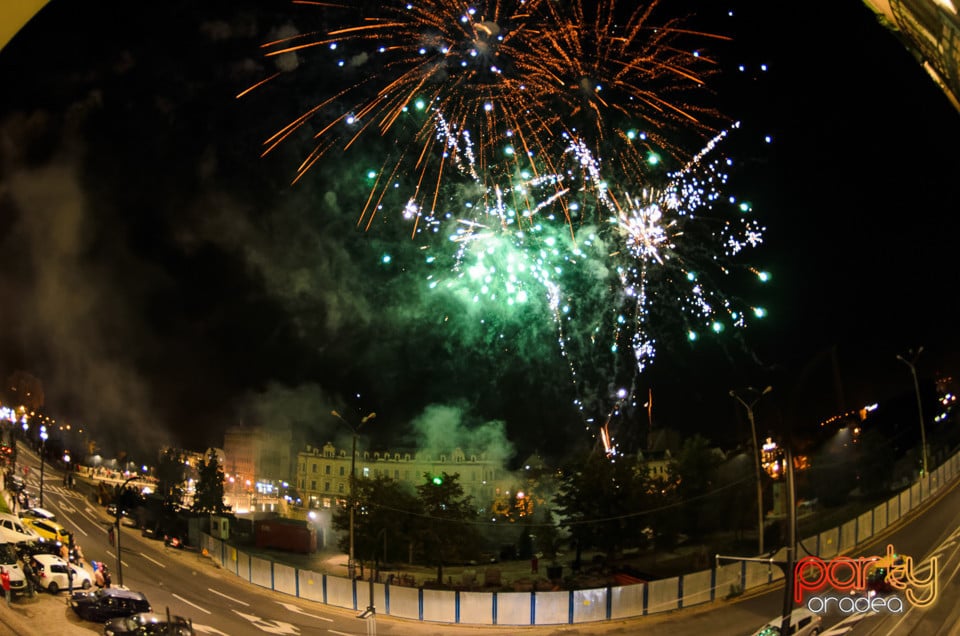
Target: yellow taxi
{"type": "Point", "coordinates": [50, 530]}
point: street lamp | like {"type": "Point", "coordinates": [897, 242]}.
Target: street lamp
{"type": "Point", "coordinates": [916, 387]}
{"type": "Point", "coordinates": [351, 564]}
{"type": "Point", "coordinates": [756, 456]}
{"type": "Point", "coordinates": [778, 462]}
{"type": "Point", "coordinates": [43, 452]}
{"type": "Point", "coordinates": [116, 522]}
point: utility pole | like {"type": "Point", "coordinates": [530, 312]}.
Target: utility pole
{"type": "Point", "coordinates": [117, 526]}
{"type": "Point", "coordinates": [916, 387]}
{"type": "Point", "coordinates": [355, 430]}
{"type": "Point", "coordinates": [756, 457]}
{"type": "Point", "coordinates": [43, 454]}
{"type": "Point", "coordinates": [773, 456]}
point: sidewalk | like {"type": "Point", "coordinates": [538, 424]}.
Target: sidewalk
{"type": "Point", "coordinates": [42, 613]}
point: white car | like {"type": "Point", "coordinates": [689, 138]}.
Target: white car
{"type": "Point", "coordinates": [51, 571]}
{"type": "Point", "coordinates": [803, 622]}
{"type": "Point", "coordinates": [14, 530]}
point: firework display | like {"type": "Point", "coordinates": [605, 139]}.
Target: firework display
{"type": "Point", "coordinates": [525, 138]}
{"type": "Point", "coordinates": [517, 75]}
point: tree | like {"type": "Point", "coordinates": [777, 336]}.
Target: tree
{"type": "Point", "coordinates": [447, 529]}
{"type": "Point", "coordinates": [171, 475]}
{"type": "Point", "coordinates": [385, 517]}
{"type": "Point", "coordinates": [601, 504]}
{"type": "Point", "coordinates": [209, 493]}
{"type": "Point", "coordinates": [695, 471]}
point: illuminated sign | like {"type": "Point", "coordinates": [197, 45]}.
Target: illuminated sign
{"type": "Point", "coordinates": [880, 578]}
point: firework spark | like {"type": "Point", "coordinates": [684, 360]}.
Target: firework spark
{"type": "Point", "coordinates": [629, 270]}
{"type": "Point", "coordinates": [520, 77]}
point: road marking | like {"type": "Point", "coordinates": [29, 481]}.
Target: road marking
{"type": "Point", "coordinates": [153, 560]}
{"type": "Point", "coordinates": [269, 626]}
{"type": "Point", "coordinates": [206, 629]}
{"type": "Point", "coordinates": [333, 631]}
{"type": "Point", "coordinates": [178, 597]}
{"type": "Point", "coordinates": [293, 608]}
{"type": "Point", "coordinates": [844, 626]}
{"type": "Point", "coordinates": [122, 562]}
{"type": "Point", "coordinates": [229, 598]}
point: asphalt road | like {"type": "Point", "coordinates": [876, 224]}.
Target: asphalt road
{"type": "Point", "coordinates": [220, 603]}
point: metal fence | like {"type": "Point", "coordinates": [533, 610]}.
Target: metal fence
{"type": "Point", "coordinates": [573, 606]}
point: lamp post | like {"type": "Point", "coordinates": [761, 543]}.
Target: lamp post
{"type": "Point", "coordinates": [756, 456]}
{"type": "Point", "coordinates": [43, 452]}
{"type": "Point", "coordinates": [116, 522]}
{"type": "Point", "coordinates": [778, 462]}
{"type": "Point", "coordinates": [351, 563]}
{"type": "Point", "coordinates": [916, 387]}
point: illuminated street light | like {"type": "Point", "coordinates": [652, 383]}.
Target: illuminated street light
{"type": "Point", "coordinates": [778, 462]}
{"type": "Point", "coordinates": [118, 513]}
{"type": "Point", "coordinates": [916, 387]}
{"type": "Point", "coordinates": [756, 457]}
{"type": "Point", "coordinates": [351, 563]}
{"type": "Point", "coordinates": [43, 453]}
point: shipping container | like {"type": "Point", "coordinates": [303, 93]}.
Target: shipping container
{"type": "Point", "coordinates": [285, 534]}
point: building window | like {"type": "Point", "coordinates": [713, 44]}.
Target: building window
{"type": "Point", "coordinates": [313, 468]}
{"type": "Point", "coordinates": [326, 469]}
{"type": "Point", "coordinates": [326, 486]}
{"type": "Point", "coordinates": [313, 485]}
{"type": "Point", "coordinates": [366, 472]}
{"type": "Point", "coordinates": [396, 474]}
{"type": "Point", "coordinates": [340, 488]}
{"type": "Point", "coordinates": [342, 471]}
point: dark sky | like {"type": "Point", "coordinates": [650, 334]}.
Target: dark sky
{"type": "Point", "coordinates": [164, 281]}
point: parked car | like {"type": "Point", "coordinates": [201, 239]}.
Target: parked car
{"type": "Point", "coordinates": [803, 622]}
{"type": "Point", "coordinates": [15, 483]}
{"type": "Point", "coordinates": [9, 560]}
{"type": "Point", "coordinates": [39, 513]}
{"type": "Point", "coordinates": [50, 530]}
{"type": "Point", "coordinates": [111, 602]}
{"type": "Point", "coordinates": [150, 624]}
{"type": "Point", "coordinates": [39, 545]}
{"type": "Point", "coordinates": [52, 572]}
{"type": "Point", "coordinates": [14, 530]}
{"type": "Point", "coordinates": [112, 511]}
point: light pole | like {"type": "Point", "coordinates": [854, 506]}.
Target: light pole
{"type": "Point", "coordinates": [778, 462]}
{"type": "Point", "coordinates": [351, 563]}
{"type": "Point", "coordinates": [43, 452]}
{"type": "Point", "coordinates": [916, 387]}
{"type": "Point", "coordinates": [116, 522]}
{"type": "Point", "coordinates": [756, 456]}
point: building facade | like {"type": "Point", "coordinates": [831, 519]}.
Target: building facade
{"type": "Point", "coordinates": [930, 29]}
{"type": "Point", "coordinates": [323, 474]}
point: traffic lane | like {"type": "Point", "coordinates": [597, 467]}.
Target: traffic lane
{"type": "Point", "coordinates": [943, 563]}
{"type": "Point", "coordinates": [920, 536]}
{"type": "Point", "coordinates": [190, 585]}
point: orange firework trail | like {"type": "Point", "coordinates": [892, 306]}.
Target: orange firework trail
{"type": "Point", "coordinates": [521, 77]}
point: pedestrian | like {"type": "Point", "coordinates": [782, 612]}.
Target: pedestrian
{"type": "Point", "coordinates": [5, 583]}
{"type": "Point", "coordinates": [534, 564]}
{"type": "Point", "coordinates": [78, 554]}
{"type": "Point", "coordinates": [98, 574]}
{"type": "Point", "coordinates": [30, 575]}
{"type": "Point", "coordinates": [106, 575]}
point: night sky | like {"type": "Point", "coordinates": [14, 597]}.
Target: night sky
{"type": "Point", "coordinates": [165, 281]}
